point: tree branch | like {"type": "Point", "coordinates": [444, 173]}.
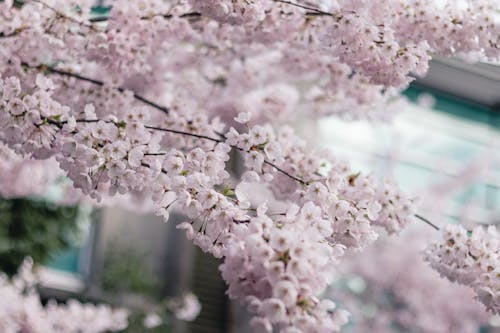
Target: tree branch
{"type": "Point", "coordinates": [312, 9]}
{"type": "Point", "coordinates": [427, 221]}
{"type": "Point", "coordinates": [12, 34]}
{"type": "Point", "coordinates": [198, 136]}
{"type": "Point", "coordinates": [61, 14]}
{"type": "Point", "coordinates": [97, 82]}
{"type": "Point", "coordinates": [235, 147]}
{"type": "Point", "coordinates": [191, 15]}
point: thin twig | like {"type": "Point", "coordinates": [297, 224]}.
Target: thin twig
{"type": "Point", "coordinates": [164, 109]}
{"type": "Point", "coordinates": [285, 173]}
{"type": "Point", "coordinates": [315, 10]}
{"type": "Point", "coordinates": [169, 16]}
{"type": "Point", "coordinates": [61, 14]}
{"type": "Point", "coordinates": [198, 136]}
{"type": "Point", "coordinates": [15, 33]}
{"type": "Point", "coordinates": [427, 221]}
{"type": "Point", "coordinates": [99, 83]}
{"type": "Point", "coordinates": [191, 15]}
{"type": "Point", "coordinates": [155, 154]}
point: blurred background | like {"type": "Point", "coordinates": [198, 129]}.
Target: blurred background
{"type": "Point", "coordinates": [443, 150]}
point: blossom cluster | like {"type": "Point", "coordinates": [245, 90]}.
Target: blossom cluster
{"type": "Point", "coordinates": [471, 258]}
{"type": "Point", "coordinates": [185, 308]}
{"type": "Point", "coordinates": [281, 266]}
{"type": "Point", "coordinates": [27, 116]}
{"type": "Point", "coordinates": [21, 310]}
{"type": "Point", "coordinates": [232, 12]}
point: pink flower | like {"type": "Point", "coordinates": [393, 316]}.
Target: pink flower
{"type": "Point", "coordinates": [189, 309]}
{"type": "Point", "coordinates": [243, 117]}
{"type": "Point", "coordinates": [44, 82]}
{"type": "Point", "coordinates": [105, 131]}
{"type": "Point", "coordinates": [274, 309]}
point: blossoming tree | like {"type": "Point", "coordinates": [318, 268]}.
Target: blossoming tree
{"type": "Point", "coordinates": [155, 99]}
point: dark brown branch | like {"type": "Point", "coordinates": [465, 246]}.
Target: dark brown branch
{"type": "Point", "coordinates": [285, 173]}
{"type": "Point", "coordinates": [61, 14]}
{"type": "Point", "coordinates": [192, 15]}
{"type": "Point", "coordinates": [427, 221]}
{"type": "Point", "coordinates": [312, 9]}
{"type": "Point", "coordinates": [99, 83]}
{"type": "Point", "coordinates": [159, 107]}
{"type": "Point", "coordinates": [155, 154]}
{"type": "Point", "coordinates": [204, 137]}
{"type": "Point", "coordinates": [12, 34]}
{"type": "Point", "coordinates": [169, 16]}
{"type": "Point", "coordinates": [198, 136]}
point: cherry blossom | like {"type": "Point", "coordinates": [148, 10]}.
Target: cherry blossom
{"type": "Point", "coordinates": [189, 308]}
{"type": "Point", "coordinates": [186, 308]}
{"type": "Point", "coordinates": [472, 259]}
{"type": "Point", "coordinates": [157, 100]}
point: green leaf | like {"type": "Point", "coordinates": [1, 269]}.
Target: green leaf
{"type": "Point", "coordinates": [228, 192]}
